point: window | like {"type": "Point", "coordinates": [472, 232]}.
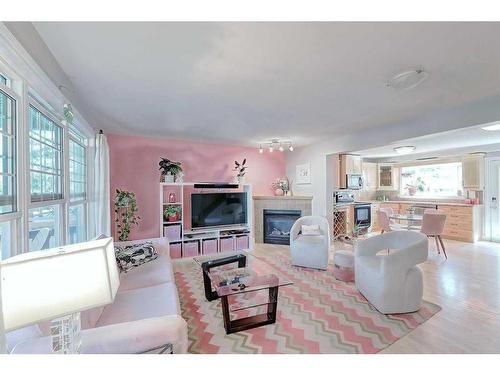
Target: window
{"type": "Point", "coordinates": [432, 180]}
{"type": "Point", "coordinates": [77, 170]}
{"type": "Point", "coordinates": [7, 154]}
{"type": "Point", "coordinates": [77, 223]}
{"type": "Point", "coordinates": [45, 143]}
{"type": "Point", "coordinates": [44, 227]}
{"type": "Point", "coordinates": [77, 226]}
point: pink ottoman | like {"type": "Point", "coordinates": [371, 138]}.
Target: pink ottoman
{"type": "Point", "coordinates": [343, 268]}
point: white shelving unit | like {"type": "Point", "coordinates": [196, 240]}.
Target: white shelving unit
{"type": "Point", "coordinates": [239, 237]}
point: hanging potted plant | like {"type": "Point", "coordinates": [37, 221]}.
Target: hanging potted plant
{"type": "Point", "coordinates": [125, 213]}
{"type": "Point", "coordinates": [241, 169]}
{"type": "Point", "coordinates": [172, 213]}
{"type": "Point", "coordinates": [169, 169]}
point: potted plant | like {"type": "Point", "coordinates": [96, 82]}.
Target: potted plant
{"type": "Point", "coordinates": [172, 213]}
{"type": "Point", "coordinates": [125, 213]}
{"type": "Point", "coordinates": [240, 168]}
{"type": "Point", "coordinates": [169, 169]}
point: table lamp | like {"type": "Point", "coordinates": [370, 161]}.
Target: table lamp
{"type": "Point", "coordinates": [56, 284]}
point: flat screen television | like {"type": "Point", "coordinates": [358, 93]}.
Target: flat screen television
{"type": "Point", "coordinates": [218, 209]}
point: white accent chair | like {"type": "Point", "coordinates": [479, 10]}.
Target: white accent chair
{"type": "Point", "coordinates": [393, 282]}
{"type": "Point", "coordinates": [310, 251]}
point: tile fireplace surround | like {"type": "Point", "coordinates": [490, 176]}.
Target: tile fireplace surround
{"type": "Point", "coordinates": [261, 203]}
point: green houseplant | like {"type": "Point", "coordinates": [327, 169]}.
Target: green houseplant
{"type": "Point", "coordinates": [172, 212]}
{"type": "Point", "coordinates": [125, 213]}
{"type": "Point", "coordinates": [169, 169]}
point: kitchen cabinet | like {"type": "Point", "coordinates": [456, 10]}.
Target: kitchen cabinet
{"type": "Point", "coordinates": [473, 172]}
{"type": "Point", "coordinates": [369, 176]}
{"type": "Point", "coordinates": [463, 223]}
{"type": "Point", "coordinates": [387, 177]}
{"type": "Point", "coordinates": [350, 164]}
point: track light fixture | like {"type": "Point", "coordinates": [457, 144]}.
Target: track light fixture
{"type": "Point", "coordinates": [276, 144]}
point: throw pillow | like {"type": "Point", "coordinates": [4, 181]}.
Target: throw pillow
{"type": "Point", "coordinates": [132, 256]}
{"type": "Point", "coordinates": [310, 230]}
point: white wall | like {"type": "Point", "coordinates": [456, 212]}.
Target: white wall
{"type": "Point", "coordinates": [321, 187]}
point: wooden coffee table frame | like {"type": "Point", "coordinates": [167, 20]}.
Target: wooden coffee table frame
{"type": "Point", "coordinates": [241, 324]}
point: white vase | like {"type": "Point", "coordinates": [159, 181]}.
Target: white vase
{"type": "Point", "coordinates": [169, 177]}
{"type": "Point", "coordinates": [240, 180]}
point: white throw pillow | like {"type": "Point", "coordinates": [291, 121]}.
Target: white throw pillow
{"type": "Point", "coordinates": [311, 230]}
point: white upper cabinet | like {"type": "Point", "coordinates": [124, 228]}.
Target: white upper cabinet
{"type": "Point", "coordinates": [473, 172]}
{"type": "Point", "coordinates": [351, 164]}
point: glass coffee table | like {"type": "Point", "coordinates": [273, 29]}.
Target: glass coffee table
{"type": "Point", "coordinates": [239, 274]}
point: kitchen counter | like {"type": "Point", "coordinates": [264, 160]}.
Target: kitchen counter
{"type": "Point", "coordinates": [426, 202]}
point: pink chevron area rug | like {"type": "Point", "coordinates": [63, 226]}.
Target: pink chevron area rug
{"type": "Point", "coordinates": [317, 314]}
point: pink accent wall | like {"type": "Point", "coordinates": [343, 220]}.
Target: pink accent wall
{"type": "Point", "coordinates": [134, 167]}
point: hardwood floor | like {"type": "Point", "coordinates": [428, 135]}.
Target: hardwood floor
{"type": "Point", "coordinates": [467, 287]}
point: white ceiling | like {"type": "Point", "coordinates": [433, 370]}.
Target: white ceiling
{"type": "Point", "coordinates": [449, 143]}
{"type": "Point", "coordinates": [249, 82]}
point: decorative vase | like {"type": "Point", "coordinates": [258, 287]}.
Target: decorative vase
{"type": "Point", "coordinates": [240, 179]}
{"type": "Point", "coordinates": [279, 192]}
{"type": "Point", "coordinates": [179, 177]}
{"type": "Point", "coordinates": [168, 177]}
{"type": "Point", "coordinates": [171, 198]}
{"type": "Point", "coordinates": [172, 218]}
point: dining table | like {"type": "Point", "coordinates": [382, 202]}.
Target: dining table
{"type": "Point", "coordinates": [410, 219]}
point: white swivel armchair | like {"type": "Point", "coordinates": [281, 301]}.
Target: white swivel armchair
{"type": "Point", "coordinates": [310, 250]}
{"type": "Point", "coordinates": [392, 282]}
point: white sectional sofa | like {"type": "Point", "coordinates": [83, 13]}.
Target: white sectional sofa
{"type": "Point", "coordinates": [144, 315]}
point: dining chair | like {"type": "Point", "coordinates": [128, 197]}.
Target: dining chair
{"type": "Point", "coordinates": [385, 222]}
{"type": "Point", "coordinates": [433, 226]}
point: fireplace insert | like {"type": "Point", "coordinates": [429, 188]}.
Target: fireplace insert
{"type": "Point", "coordinates": [277, 225]}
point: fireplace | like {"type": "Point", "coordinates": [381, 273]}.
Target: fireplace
{"type": "Point", "coordinates": [277, 225]}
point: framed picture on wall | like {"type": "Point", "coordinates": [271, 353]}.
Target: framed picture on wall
{"type": "Point", "coordinates": [303, 174]}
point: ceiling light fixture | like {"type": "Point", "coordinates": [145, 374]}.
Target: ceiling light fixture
{"type": "Point", "coordinates": [407, 80]}
{"type": "Point", "coordinates": [403, 150]}
{"type": "Point", "coordinates": [276, 144]}
{"type": "Point", "coordinates": [493, 127]}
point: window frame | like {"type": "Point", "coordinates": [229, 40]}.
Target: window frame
{"type": "Point", "coordinates": [9, 93]}
{"type": "Point", "coordinates": [427, 197]}
{"type": "Point", "coordinates": [15, 218]}
{"type": "Point", "coordinates": [85, 201]}
{"type": "Point", "coordinates": [41, 108]}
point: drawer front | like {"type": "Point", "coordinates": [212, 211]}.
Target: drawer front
{"type": "Point", "coordinates": [459, 234]}
{"type": "Point", "coordinates": [458, 226]}
{"type": "Point", "coordinates": [457, 210]}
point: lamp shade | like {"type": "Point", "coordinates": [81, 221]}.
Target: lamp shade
{"type": "Point", "coordinates": [43, 285]}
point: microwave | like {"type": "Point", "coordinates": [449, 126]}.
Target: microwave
{"type": "Point", "coordinates": [354, 181]}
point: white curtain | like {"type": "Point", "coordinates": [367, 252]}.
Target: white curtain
{"type": "Point", "coordinates": [101, 222]}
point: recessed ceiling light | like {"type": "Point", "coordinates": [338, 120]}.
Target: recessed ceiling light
{"type": "Point", "coordinates": [491, 127]}
{"type": "Point", "coordinates": [404, 149]}
{"type": "Point", "coordinates": [407, 80]}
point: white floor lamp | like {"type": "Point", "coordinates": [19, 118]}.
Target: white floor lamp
{"type": "Point", "coordinates": [57, 284]}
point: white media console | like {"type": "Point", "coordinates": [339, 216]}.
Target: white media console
{"type": "Point", "coordinates": [187, 242]}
